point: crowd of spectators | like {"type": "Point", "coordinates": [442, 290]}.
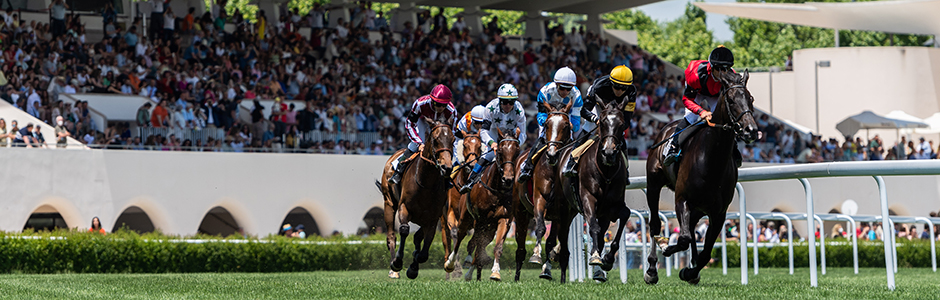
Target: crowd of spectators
{"type": "Point", "coordinates": [199, 75]}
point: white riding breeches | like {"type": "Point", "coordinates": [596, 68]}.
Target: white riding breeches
{"type": "Point", "coordinates": [707, 102]}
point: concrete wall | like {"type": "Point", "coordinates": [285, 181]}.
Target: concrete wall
{"type": "Point", "coordinates": [176, 190]}
{"type": "Point", "coordinates": [880, 79]}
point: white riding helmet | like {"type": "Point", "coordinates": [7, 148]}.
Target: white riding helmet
{"type": "Point", "coordinates": [477, 113]}
{"type": "Point", "coordinates": [507, 91]}
{"type": "Point", "coordinates": [565, 76]}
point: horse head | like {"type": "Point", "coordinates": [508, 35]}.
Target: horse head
{"type": "Point", "coordinates": [610, 127]}
{"type": "Point", "coordinates": [471, 146]}
{"type": "Point", "coordinates": [506, 152]}
{"type": "Point", "coordinates": [557, 132]}
{"type": "Point", "coordinates": [736, 106]}
{"type": "Point", "coordinates": [440, 146]}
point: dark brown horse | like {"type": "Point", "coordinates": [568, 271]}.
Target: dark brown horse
{"type": "Point", "coordinates": [456, 222]}
{"type": "Point", "coordinates": [600, 186]}
{"type": "Point", "coordinates": [420, 197]}
{"type": "Point", "coordinates": [705, 177]}
{"type": "Point", "coordinates": [491, 204]}
{"type": "Point", "coordinates": [542, 198]}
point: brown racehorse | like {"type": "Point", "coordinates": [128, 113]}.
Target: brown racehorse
{"type": "Point", "coordinates": [491, 204]}
{"type": "Point", "coordinates": [600, 186]}
{"type": "Point", "coordinates": [541, 198]}
{"type": "Point", "coordinates": [420, 197]}
{"type": "Point", "coordinates": [456, 222]}
{"type": "Point", "coordinates": [704, 178]}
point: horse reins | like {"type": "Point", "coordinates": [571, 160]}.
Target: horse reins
{"type": "Point", "coordinates": [735, 121]}
{"type": "Point", "coordinates": [500, 166]}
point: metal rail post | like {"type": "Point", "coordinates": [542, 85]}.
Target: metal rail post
{"type": "Point", "coordinates": [755, 224]}
{"type": "Point", "coordinates": [810, 233]}
{"type": "Point", "coordinates": [933, 241]}
{"type": "Point", "coordinates": [662, 217]}
{"type": "Point", "coordinates": [822, 242]}
{"type": "Point", "coordinates": [789, 235]}
{"type": "Point", "coordinates": [888, 242]}
{"type": "Point", "coordinates": [854, 239]}
{"type": "Point", "coordinates": [742, 232]}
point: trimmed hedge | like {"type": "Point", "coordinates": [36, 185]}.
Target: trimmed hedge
{"type": "Point", "coordinates": [126, 252]}
{"type": "Point", "coordinates": [871, 254]}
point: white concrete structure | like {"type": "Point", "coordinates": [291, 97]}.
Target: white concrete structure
{"type": "Point", "coordinates": [179, 191]}
{"type": "Point", "coordinates": [879, 79]}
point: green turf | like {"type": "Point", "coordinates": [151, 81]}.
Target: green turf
{"type": "Point", "coordinates": [769, 284]}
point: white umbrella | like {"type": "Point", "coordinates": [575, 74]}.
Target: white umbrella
{"type": "Point", "coordinates": [869, 120]}
{"type": "Point", "coordinates": [903, 116]}
{"type": "Point", "coordinates": [932, 121]}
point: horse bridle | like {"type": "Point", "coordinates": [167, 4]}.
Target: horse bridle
{"type": "Point", "coordinates": [437, 152]}
{"type": "Point", "coordinates": [556, 143]}
{"type": "Point", "coordinates": [735, 121]}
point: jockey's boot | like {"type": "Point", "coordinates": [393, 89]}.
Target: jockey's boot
{"type": "Point", "coordinates": [527, 165]}
{"type": "Point", "coordinates": [475, 175]}
{"type": "Point", "coordinates": [396, 177]}
{"type": "Point", "coordinates": [570, 169]}
{"type": "Point", "coordinates": [674, 150]}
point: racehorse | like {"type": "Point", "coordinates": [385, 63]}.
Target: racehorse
{"type": "Point", "coordinates": [456, 222]}
{"type": "Point", "coordinates": [491, 204]}
{"type": "Point", "coordinates": [420, 197]}
{"type": "Point", "coordinates": [600, 185]}
{"type": "Point", "coordinates": [704, 179]}
{"type": "Point", "coordinates": [541, 198]}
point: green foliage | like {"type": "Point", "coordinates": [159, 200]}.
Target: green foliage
{"type": "Point", "coordinates": [128, 252]}
{"type": "Point", "coordinates": [911, 254]}
{"type": "Point", "coordinates": [507, 21]}
{"type": "Point", "coordinates": [680, 41]}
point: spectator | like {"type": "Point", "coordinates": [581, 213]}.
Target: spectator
{"type": "Point", "coordinates": [4, 135]}
{"type": "Point", "coordinates": [61, 132]}
{"type": "Point", "coordinates": [160, 117]}
{"type": "Point", "coordinates": [57, 15]}
{"type": "Point", "coordinates": [96, 226]}
{"type": "Point", "coordinates": [143, 115]}
{"type": "Point", "coordinates": [286, 230]}
{"type": "Point", "coordinates": [300, 232]}
{"type": "Point", "coordinates": [24, 136]}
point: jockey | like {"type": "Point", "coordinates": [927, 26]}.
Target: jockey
{"type": "Point", "coordinates": [470, 123]}
{"type": "Point", "coordinates": [504, 113]}
{"type": "Point", "coordinates": [435, 106]}
{"type": "Point", "coordinates": [701, 86]}
{"type": "Point", "coordinates": [559, 92]}
{"type": "Point", "coordinates": [616, 87]}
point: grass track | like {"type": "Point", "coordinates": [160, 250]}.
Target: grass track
{"type": "Point", "coordinates": [769, 284]}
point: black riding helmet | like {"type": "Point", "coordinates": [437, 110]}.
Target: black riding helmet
{"type": "Point", "coordinates": [721, 57]}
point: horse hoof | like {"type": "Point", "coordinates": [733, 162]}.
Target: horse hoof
{"type": "Point", "coordinates": [685, 276]}
{"type": "Point", "coordinates": [496, 277]}
{"type": "Point", "coordinates": [449, 266]}
{"type": "Point", "coordinates": [595, 260]}
{"type": "Point", "coordinates": [547, 275]}
{"type": "Point", "coordinates": [650, 279]}
{"type": "Point", "coordinates": [412, 273]}
{"type": "Point", "coordinates": [599, 276]}
{"type": "Point", "coordinates": [393, 274]}
{"type": "Point", "coordinates": [467, 262]}
{"type": "Point", "coordinates": [607, 266]}
{"type": "Point", "coordinates": [469, 275]}
{"type": "Point", "coordinates": [535, 259]}
{"type": "Point", "coordinates": [396, 265]}
{"type": "Point", "coordinates": [421, 257]}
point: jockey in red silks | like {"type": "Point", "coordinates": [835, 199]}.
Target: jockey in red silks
{"type": "Point", "coordinates": [435, 106]}
{"type": "Point", "coordinates": [701, 86]}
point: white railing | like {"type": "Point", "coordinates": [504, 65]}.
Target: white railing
{"type": "Point", "coordinates": [876, 169]}
{"type": "Point", "coordinates": [193, 135]}
{"type": "Point", "coordinates": [366, 138]}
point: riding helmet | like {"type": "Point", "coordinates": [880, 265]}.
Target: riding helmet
{"type": "Point", "coordinates": [565, 77]}
{"type": "Point", "coordinates": [621, 75]}
{"type": "Point", "coordinates": [507, 91]}
{"type": "Point", "coordinates": [477, 113]}
{"type": "Point", "coordinates": [721, 57]}
{"type": "Point", "coordinates": [441, 94]}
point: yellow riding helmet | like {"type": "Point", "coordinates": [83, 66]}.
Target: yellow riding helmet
{"type": "Point", "coordinates": [621, 75]}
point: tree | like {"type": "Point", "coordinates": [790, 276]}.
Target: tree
{"type": "Point", "coordinates": [679, 41]}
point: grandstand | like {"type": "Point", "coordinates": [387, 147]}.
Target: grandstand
{"type": "Point", "coordinates": [214, 85]}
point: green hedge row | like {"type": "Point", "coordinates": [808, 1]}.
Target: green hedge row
{"type": "Point", "coordinates": [911, 254]}
{"type": "Point", "coordinates": [74, 252]}
{"type": "Point", "coordinates": [130, 253]}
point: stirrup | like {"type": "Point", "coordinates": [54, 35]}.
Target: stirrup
{"type": "Point", "coordinates": [671, 158]}
{"type": "Point", "coordinates": [526, 173]}
{"type": "Point", "coordinates": [571, 168]}
{"type": "Point", "coordinates": [396, 177]}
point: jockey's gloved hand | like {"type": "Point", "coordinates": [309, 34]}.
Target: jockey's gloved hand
{"type": "Point", "coordinates": [591, 117]}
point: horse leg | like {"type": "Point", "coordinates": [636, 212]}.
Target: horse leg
{"type": "Point", "coordinates": [550, 243]}
{"type": "Point", "coordinates": [465, 229]}
{"type": "Point", "coordinates": [539, 229]}
{"type": "Point", "coordinates": [655, 187]}
{"type": "Point", "coordinates": [716, 224]}
{"type": "Point", "coordinates": [502, 228]}
{"type": "Point", "coordinates": [522, 228]}
{"type": "Point", "coordinates": [562, 256]}
{"type": "Point", "coordinates": [594, 229]}
{"type": "Point", "coordinates": [482, 234]}
{"type": "Point", "coordinates": [623, 217]}
{"type": "Point", "coordinates": [403, 231]}
{"type": "Point", "coordinates": [606, 261]}
{"type": "Point", "coordinates": [685, 228]}
{"type": "Point", "coordinates": [689, 273]}
{"type": "Point", "coordinates": [390, 242]}
{"type": "Point", "coordinates": [415, 256]}
{"type": "Point", "coordinates": [448, 234]}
